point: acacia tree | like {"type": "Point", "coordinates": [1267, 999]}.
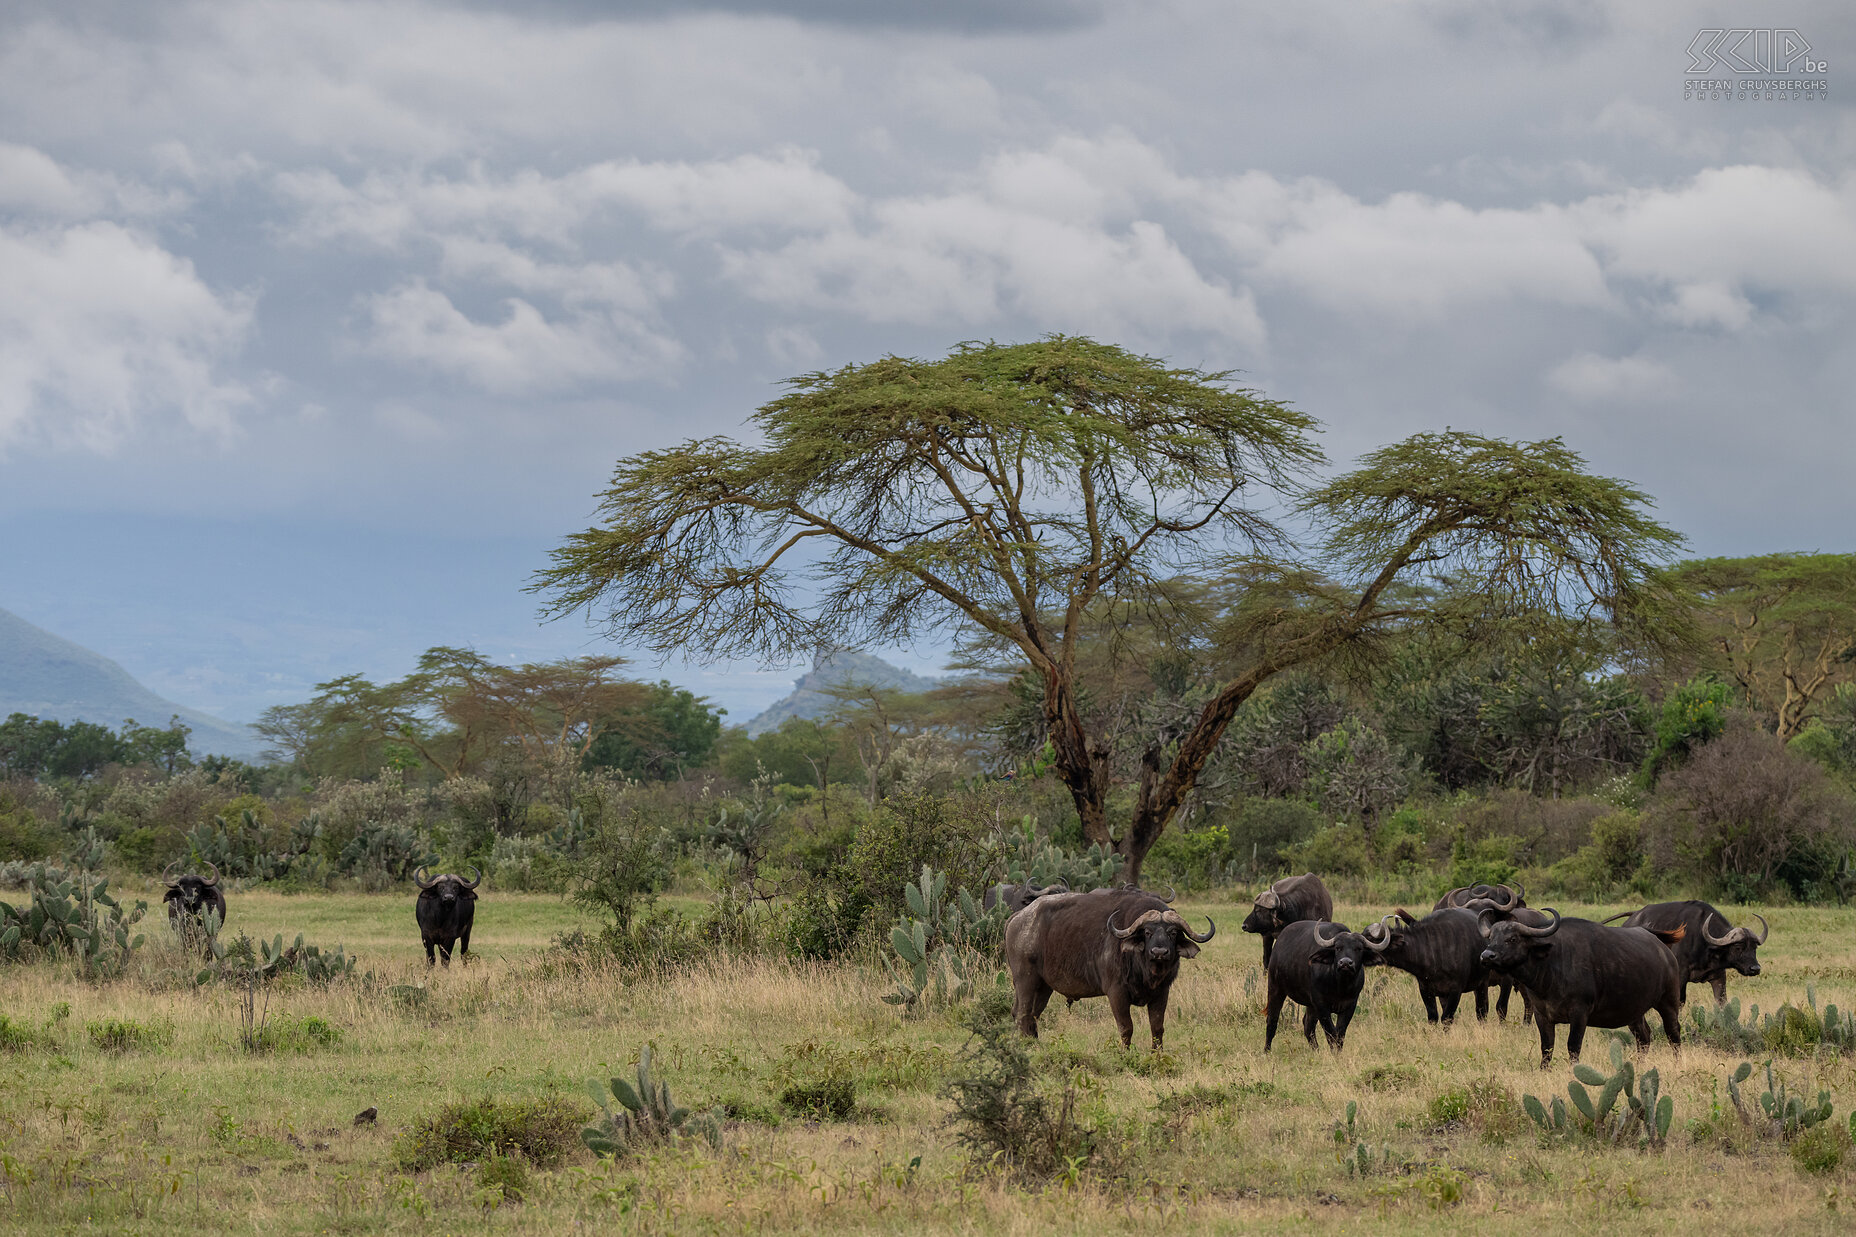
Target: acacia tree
{"type": "Point", "coordinates": [1783, 626]}
{"type": "Point", "coordinates": [1019, 490]}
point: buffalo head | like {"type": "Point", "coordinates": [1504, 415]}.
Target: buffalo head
{"type": "Point", "coordinates": [448, 888]}
{"type": "Point", "coordinates": [192, 895]}
{"type": "Point", "coordinates": [1507, 944]}
{"type": "Point", "coordinates": [1161, 938]}
{"type": "Point", "coordinates": [1347, 952]}
{"type": "Point", "coordinates": [1738, 947]}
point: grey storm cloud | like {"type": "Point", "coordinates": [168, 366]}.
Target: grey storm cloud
{"type": "Point", "coordinates": [394, 280]}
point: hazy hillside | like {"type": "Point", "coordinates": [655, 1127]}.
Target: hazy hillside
{"type": "Point", "coordinates": [808, 698]}
{"type": "Point", "coordinates": [50, 677]}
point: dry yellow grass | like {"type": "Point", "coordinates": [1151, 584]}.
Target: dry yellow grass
{"type": "Point", "coordinates": [200, 1135]}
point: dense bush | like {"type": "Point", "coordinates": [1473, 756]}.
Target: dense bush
{"type": "Point", "coordinates": [543, 1131]}
{"type": "Point", "coordinates": [1745, 816]}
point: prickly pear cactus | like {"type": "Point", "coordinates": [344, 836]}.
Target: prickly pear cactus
{"type": "Point", "coordinates": [72, 916]}
{"type": "Point", "coordinates": [645, 1115]}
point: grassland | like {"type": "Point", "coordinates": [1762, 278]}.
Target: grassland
{"type": "Point", "coordinates": [1212, 1136]}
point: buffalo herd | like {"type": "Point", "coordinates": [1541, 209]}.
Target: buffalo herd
{"type": "Point", "coordinates": [1126, 944]}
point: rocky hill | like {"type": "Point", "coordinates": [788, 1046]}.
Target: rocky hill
{"type": "Point", "coordinates": [49, 677]}
{"type": "Point", "coordinates": [844, 667]}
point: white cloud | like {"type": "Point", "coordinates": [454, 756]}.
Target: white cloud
{"type": "Point", "coordinates": [1593, 378]}
{"type": "Point", "coordinates": [102, 329]}
{"type": "Point", "coordinates": [522, 353]}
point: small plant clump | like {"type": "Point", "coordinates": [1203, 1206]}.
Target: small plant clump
{"type": "Point", "coordinates": [125, 1035]}
{"type": "Point", "coordinates": [646, 1115]}
{"type": "Point", "coordinates": [297, 1035]}
{"type": "Point", "coordinates": [542, 1131]}
{"type": "Point", "coordinates": [1644, 1109]}
{"type": "Point", "coordinates": [830, 1098]}
{"type": "Point", "coordinates": [1001, 1112]}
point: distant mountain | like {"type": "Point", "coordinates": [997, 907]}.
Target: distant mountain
{"type": "Point", "coordinates": [839, 669]}
{"type": "Point", "coordinates": [52, 678]}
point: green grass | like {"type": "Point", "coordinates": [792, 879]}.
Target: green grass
{"type": "Point", "coordinates": [1213, 1137]}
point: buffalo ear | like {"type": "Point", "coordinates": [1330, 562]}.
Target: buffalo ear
{"type": "Point", "coordinates": [1321, 957]}
{"type": "Point", "coordinates": [1188, 950]}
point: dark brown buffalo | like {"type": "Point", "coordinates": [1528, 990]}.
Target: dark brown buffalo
{"type": "Point", "coordinates": [1585, 974]}
{"type": "Point", "coordinates": [1505, 897]}
{"type": "Point", "coordinates": [1119, 943]}
{"type": "Point", "coordinates": [1321, 967]}
{"type": "Point", "coordinates": [192, 897]}
{"type": "Point", "coordinates": [1710, 945]}
{"type": "Point", "coordinates": [1290, 900]}
{"type": "Point", "coordinates": [1017, 897]}
{"type": "Point", "coordinates": [1442, 951]}
{"type": "Point", "coordinates": [446, 906]}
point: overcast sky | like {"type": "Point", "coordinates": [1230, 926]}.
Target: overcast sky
{"type": "Point", "coordinates": [320, 323]}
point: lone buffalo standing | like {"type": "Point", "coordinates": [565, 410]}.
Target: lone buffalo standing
{"type": "Point", "coordinates": [1704, 954]}
{"type": "Point", "coordinates": [190, 897]}
{"type": "Point", "coordinates": [1290, 900]}
{"type": "Point", "coordinates": [1321, 967]}
{"type": "Point", "coordinates": [1119, 943]}
{"type": "Point", "coordinates": [445, 909]}
{"type": "Point", "coordinates": [1584, 974]}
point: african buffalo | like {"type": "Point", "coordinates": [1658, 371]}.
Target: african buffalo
{"type": "Point", "coordinates": [1442, 951]}
{"type": "Point", "coordinates": [1585, 974]}
{"type": "Point", "coordinates": [445, 908]}
{"type": "Point", "coordinates": [1119, 943]}
{"type": "Point", "coordinates": [1502, 896]}
{"type": "Point", "coordinates": [1704, 954]}
{"type": "Point", "coordinates": [1290, 900]}
{"type": "Point", "coordinates": [1321, 967]}
{"type": "Point", "coordinates": [1018, 897]}
{"type": "Point", "coordinates": [189, 898]}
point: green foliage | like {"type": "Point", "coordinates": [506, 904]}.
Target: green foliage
{"type": "Point", "coordinates": [16, 1036]}
{"type": "Point", "coordinates": [297, 1035]}
{"type": "Point", "coordinates": [669, 730]}
{"type": "Point", "coordinates": [646, 1115]}
{"type": "Point", "coordinates": [1645, 1110]}
{"type": "Point", "coordinates": [126, 1035]}
{"type": "Point", "coordinates": [461, 1133]}
{"type": "Point", "coordinates": [1693, 715]}
{"type": "Point", "coordinates": [1613, 859]}
{"type": "Point", "coordinates": [830, 1098]}
{"type": "Point", "coordinates": [1485, 861]}
{"type": "Point", "coordinates": [946, 945]}
{"type": "Point", "coordinates": [239, 961]}
{"type": "Point", "coordinates": [625, 858]}
{"type": "Point", "coordinates": [32, 748]}
{"type": "Point", "coordinates": [1003, 1112]}
{"type": "Point", "coordinates": [949, 833]}
{"type": "Point", "coordinates": [1338, 850]}
{"type": "Point", "coordinates": [1822, 1148]}
{"type": "Point", "coordinates": [1720, 1028]}
{"type": "Point", "coordinates": [1031, 858]}
{"type": "Point", "coordinates": [1355, 772]}
{"type": "Point", "coordinates": [72, 917]}
{"type": "Point", "coordinates": [1362, 1159]}
{"type": "Point", "coordinates": [505, 1177]}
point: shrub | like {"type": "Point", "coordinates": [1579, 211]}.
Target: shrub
{"type": "Point", "coordinates": [949, 833]}
{"type": "Point", "coordinates": [1001, 1113]}
{"type": "Point", "coordinates": [544, 1131]}
{"type": "Point", "coordinates": [1263, 831]}
{"type": "Point", "coordinates": [124, 1035]}
{"type": "Point", "coordinates": [506, 1175]}
{"type": "Point", "coordinates": [1694, 715]}
{"type": "Point", "coordinates": [1339, 850]}
{"type": "Point", "coordinates": [298, 1035]}
{"type": "Point", "coordinates": [16, 1036]}
{"type": "Point", "coordinates": [1744, 814]}
{"type": "Point", "coordinates": [625, 858]}
{"type": "Point", "coordinates": [646, 1115]}
{"type": "Point", "coordinates": [1822, 1148]}
{"type": "Point", "coordinates": [1390, 1078]}
{"type": "Point", "coordinates": [831, 1098]}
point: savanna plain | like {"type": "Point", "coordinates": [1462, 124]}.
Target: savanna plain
{"type": "Point", "coordinates": [1411, 1128]}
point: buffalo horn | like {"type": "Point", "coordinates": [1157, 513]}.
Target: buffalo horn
{"type": "Point", "coordinates": [166, 879]}
{"type": "Point", "coordinates": [421, 881]}
{"type": "Point", "coordinates": [1145, 918]}
{"type": "Point", "coordinates": [1530, 930]}
{"type": "Point", "coordinates": [1322, 942]}
{"type": "Point", "coordinates": [1377, 941]}
{"type": "Point", "coordinates": [1764, 931]}
{"type": "Point", "coordinates": [1512, 899]}
{"type": "Point", "coordinates": [213, 883]}
{"type": "Point", "coordinates": [1485, 923]}
{"type": "Point", "coordinates": [1268, 899]}
{"type": "Point", "coordinates": [1121, 934]}
{"type": "Point", "coordinates": [1211, 929]}
{"type": "Point", "coordinates": [1171, 893]}
{"type": "Point", "coordinates": [474, 883]}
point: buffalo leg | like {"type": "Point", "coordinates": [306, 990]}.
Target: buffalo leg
{"type": "Point", "coordinates": [1640, 1030]}
{"type": "Point", "coordinates": [1269, 943]}
{"type": "Point", "coordinates": [1124, 1021]}
{"type": "Point", "coordinates": [1575, 1039]}
{"type": "Point", "coordinates": [1501, 1001]}
{"type": "Point", "coordinates": [1672, 1026]}
{"type": "Point", "coordinates": [1547, 1030]}
{"type": "Point", "coordinates": [1272, 1013]}
{"type": "Point", "coordinates": [444, 952]}
{"type": "Point", "coordinates": [1156, 1018]}
{"type": "Point", "coordinates": [1482, 1005]}
{"type": "Point", "coordinates": [1430, 1004]}
{"type": "Point", "coordinates": [1308, 1025]}
{"type": "Point", "coordinates": [1342, 1020]}
{"type": "Point", "coordinates": [1028, 1002]}
{"type": "Point", "coordinates": [464, 948]}
{"type": "Point", "coordinates": [1447, 1004]}
{"type": "Point", "coordinates": [1718, 983]}
{"type": "Point", "coordinates": [429, 959]}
